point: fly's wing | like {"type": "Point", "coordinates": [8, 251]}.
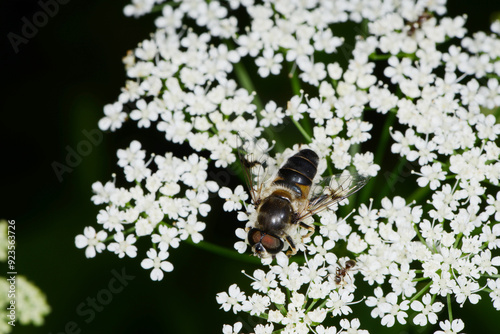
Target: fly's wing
{"type": "Point", "coordinates": [331, 190]}
{"type": "Point", "coordinates": [257, 165]}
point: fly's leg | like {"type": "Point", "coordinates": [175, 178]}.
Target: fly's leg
{"type": "Point", "coordinates": [293, 250]}
{"type": "Point", "coordinates": [307, 227]}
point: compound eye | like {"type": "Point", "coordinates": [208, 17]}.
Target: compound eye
{"type": "Point", "coordinates": [272, 244]}
{"type": "Point", "coordinates": [254, 236]}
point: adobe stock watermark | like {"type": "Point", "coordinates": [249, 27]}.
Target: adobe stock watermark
{"type": "Point", "coordinates": [88, 309]}
{"type": "Point", "coordinates": [74, 156]}
{"type": "Point", "coordinates": [403, 172]}
{"type": "Point", "coordinates": [31, 26]}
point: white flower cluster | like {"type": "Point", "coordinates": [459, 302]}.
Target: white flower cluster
{"type": "Point", "coordinates": [297, 298]}
{"type": "Point", "coordinates": [165, 204]}
{"type": "Point", "coordinates": [437, 93]}
{"type": "Point", "coordinates": [30, 306]}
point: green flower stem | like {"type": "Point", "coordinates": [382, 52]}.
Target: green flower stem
{"type": "Point", "coordinates": [459, 238]}
{"type": "Point", "coordinates": [247, 83]}
{"type": "Point", "coordinates": [263, 316]}
{"type": "Point", "coordinates": [288, 295]}
{"type": "Point", "coordinates": [323, 304]}
{"type": "Point", "coordinates": [422, 240]}
{"type": "Point", "coordinates": [297, 90]}
{"type": "Point", "coordinates": [421, 292]}
{"type": "Point", "coordinates": [450, 312]}
{"type": "Point", "coordinates": [224, 252]}
{"type": "Point", "coordinates": [302, 130]}
{"type": "Point", "coordinates": [492, 276]}
{"type": "Point", "coordinates": [311, 305]}
{"type": "Point", "coordinates": [295, 83]}
{"type": "Point", "coordinates": [375, 56]}
{"type": "Point", "coordinates": [159, 8]}
{"type": "Point", "coordinates": [281, 308]}
{"type": "Point", "coordinates": [390, 183]}
{"type": "Point", "coordinates": [384, 137]}
{"type": "Point", "coordinates": [418, 194]}
{"type": "Point", "coordinates": [355, 148]}
{"type": "Point", "coordinates": [379, 156]}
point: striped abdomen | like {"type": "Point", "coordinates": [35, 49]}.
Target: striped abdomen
{"type": "Point", "coordinates": [298, 172]}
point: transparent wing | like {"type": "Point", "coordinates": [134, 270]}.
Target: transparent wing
{"type": "Point", "coordinates": [331, 190]}
{"type": "Point", "coordinates": [258, 167]}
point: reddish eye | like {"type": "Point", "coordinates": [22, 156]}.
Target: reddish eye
{"type": "Point", "coordinates": [254, 236]}
{"type": "Point", "coordinates": [272, 244]}
{"type": "Point", "coordinates": [261, 241]}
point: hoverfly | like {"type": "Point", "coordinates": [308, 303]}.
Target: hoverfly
{"type": "Point", "coordinates": [284, 201]}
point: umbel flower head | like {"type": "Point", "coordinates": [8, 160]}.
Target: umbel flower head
{"type": "Point", "coordinates": [411, 100]}
{"type": "Point", "coordinates": [30, 303]}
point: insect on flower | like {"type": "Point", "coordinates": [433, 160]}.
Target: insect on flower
{"type": "Point", "coordinates": [341, 272]}
{"type": "Point", "coordinates": [415, 25]}
{"type": "Point", "coordinates": [284, 200]}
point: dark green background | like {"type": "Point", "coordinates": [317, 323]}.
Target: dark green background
{"type": "Point", "coordinates": [54, 88]}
